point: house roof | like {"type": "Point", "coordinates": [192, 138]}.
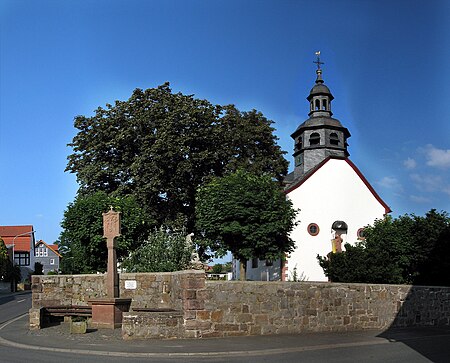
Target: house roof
{"type": "Point", "coordinates": [21, 236]}
{"type": "Point", "coordinates": [295, 183]}
{"type": "Point", "coordinates": [54, 248]}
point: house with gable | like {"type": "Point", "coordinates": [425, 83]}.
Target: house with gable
{"type": "Point", "coordinates": [48, 256]}
{"type": "Point", "coordinates": [20, 241]}
{"type": "Point", "coordinates": [334, 199]}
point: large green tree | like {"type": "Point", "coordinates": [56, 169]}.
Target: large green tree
{"type": "Point", "coordinates": [82, 243]}
{"type": "Point", "coordinates": [161, 146]}
{"type": "Point", "coordinates": [246, 214]}
{"type": "Point", "coordinates": [409, 249]}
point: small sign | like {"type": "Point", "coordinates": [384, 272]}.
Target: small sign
{"type": "Point", "coordinates": [130, 284]}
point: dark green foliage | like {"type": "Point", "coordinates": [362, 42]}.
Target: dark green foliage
{"type": "Point", "coordinates": [160, 147]}
{"type": "Point", "coordinates": [217, 268]}
{"type": "Point", "coordinates": [38, 268]}
{"type": "Point", "coordinates": [405, 250]}
{"type": "Point", "coordinates": [164, 251]}
{"type": "Point", "coordinates": [5, 262]}
{"type": "Point", "coordinates": [81, 242]}
{"type": "Point", "coordinates": [246, 214]}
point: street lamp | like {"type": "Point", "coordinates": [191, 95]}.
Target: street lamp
{"type": "Point", "coordinates": [14, 259]}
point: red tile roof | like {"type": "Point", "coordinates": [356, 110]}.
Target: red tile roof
{"type": "Point", "coordinates": [21, 236]}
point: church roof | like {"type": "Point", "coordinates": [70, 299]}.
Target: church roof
{"type": "Point", "coordinates": [293, 183]}
{"type": "Point", "coordinates": [320, 89]}
{"type": "Point", "coordinates": [321, 121]}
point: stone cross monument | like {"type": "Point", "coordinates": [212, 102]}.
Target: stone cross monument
{"type": "Point", "coordinates": [107, 311]}
{"type": "Point", "coordinates": [111, 230]}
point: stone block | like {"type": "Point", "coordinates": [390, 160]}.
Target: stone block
{"type": "Point", "coordinates": [35, 318]}
{"type": "Point", "coordinates": [193, 305]}
{"type": "Point", "coordinates": [203, 315]}
{"type": "Point", "coordinates": [227, 327]}
{"type": "Point", "coordinates": [217, 316]}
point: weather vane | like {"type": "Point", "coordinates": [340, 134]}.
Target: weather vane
{"type": "Point", "coordinates": [318, 62]}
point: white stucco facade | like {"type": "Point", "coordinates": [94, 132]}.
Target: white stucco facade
{"type": "Point", "coordinates": [335, 191]}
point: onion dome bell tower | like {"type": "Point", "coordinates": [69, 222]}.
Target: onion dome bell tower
{"type": "Point", "coordinates": [320, 136]}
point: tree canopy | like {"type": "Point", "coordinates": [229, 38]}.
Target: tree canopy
{"type": "Point", "coordinates": [81, 241]}
{"type": "Point", "coordinates": [246, 214]}
{"type": "Point", "coordinates": [161, 146]}
{"type": "Point", "coordinates": [409, 249]}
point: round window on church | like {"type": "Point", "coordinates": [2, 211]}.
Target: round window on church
{"type": "Point", "coordinates": [361, 234]}
{"type": "Point", "coordinates": [313, 229]}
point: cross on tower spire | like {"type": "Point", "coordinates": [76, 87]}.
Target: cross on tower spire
{"type": "Point", "coordinates": [318, 62]}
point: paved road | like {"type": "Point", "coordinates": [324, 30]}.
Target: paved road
{"type": "Point", "coordinates": [13, 305]}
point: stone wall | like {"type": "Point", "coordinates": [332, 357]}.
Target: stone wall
{"type": "Point", "coordinates": [190, 307]}
{"type": "Point", "coordinates": [260, 308]}
{"type": "Point", "coordinates": [153, 290]}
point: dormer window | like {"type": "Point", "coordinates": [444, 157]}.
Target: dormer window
{"type": "Point", "coordinates": [334, 139]}
{"type": "Point", "coordinates": [314, 139]}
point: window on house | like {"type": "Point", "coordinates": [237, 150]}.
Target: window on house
{"type": "Point", "coordinates": [334, 139]}
{"type": "Point", "coordinates": [313, 229]}
{"type": "Point", "coordinates": [45, 252]}
{"type": "Point", "coordinates": [52, 261]}
{"type": "Point", "coordinates": [269, 263]}
{"type": "Point", "coordinates": [314, 139]}
{"type": "Point", "coordinates": [22, 258]}
{"type": "Point", "coordinates": [254, 263]}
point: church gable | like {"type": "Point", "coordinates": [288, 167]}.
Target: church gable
{"type": "Point", "coordinates": [345, 179]}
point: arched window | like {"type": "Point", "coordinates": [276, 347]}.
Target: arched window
{"type": "Point", "coordinates": [324, 105]}
{"type": "Point", "coordinates": [317, 105]}
{"type": "Point", "coordinates": [334, 139]}
{"type": "Point", "coordinates": [314, 139]}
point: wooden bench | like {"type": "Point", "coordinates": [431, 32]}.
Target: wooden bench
{"type": "Point", "coordinates": [68, 311]}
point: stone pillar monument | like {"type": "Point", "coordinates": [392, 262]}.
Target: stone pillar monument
{"type": "Point", "coordinates": [111, 230]}
{"type": "Point", "coordinates": [107, 312]}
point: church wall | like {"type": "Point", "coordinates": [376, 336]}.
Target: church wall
{"type": "Point", "coordinates": [334, 192]}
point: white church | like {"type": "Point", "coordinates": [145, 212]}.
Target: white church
{"type": "Point", "coordinates": [335, 200]}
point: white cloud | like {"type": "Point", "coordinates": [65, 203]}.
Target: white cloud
{"type": "Point", "coordinates": [410, 163]}
{"type": "Point", "coordinates": [419, 199]}
{"type": "Point", "coordinates": [438, 158]}
{"type": "Point", "coordinates": [428, 183]}
{"type": "Point", "coordinates": [390, 183]}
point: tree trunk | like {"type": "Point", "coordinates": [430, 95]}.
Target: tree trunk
{"type": "Point", "coordinates": [243, 270]}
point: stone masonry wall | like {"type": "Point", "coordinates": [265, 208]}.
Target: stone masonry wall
{"type": "Point", "coordinates": [153, 290]}
{"type": "Point", "coordinates": [260, 308]}
{"type": "Point", "coordinates": [233, 308]}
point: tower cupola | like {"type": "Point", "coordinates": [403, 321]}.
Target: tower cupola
{"type": "Point", "coordinates": [321, 135]}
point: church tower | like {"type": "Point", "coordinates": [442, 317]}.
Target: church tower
{"type": "Point", "coordinates": [321, 135]}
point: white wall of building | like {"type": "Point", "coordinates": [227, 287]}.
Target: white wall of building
{"type": "Point", "coordinates": [334, 192]}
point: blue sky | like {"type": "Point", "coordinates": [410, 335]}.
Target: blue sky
{"type": "Point", "coordinates": [386, 63]}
